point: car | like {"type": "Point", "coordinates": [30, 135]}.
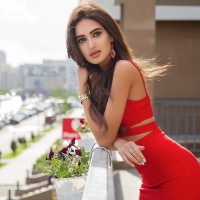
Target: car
{"type": "Point", "coordinates": [2, 124]}
{"type": "Point", "coordinates": [16, 118]}
{"type": "Point", "coordinates": [50, 118]}
{"type": "Point", "coordinates": [5, 120]}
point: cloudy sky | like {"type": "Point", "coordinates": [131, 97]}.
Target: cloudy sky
{"type": "Point", "coordinates": [33, 30]}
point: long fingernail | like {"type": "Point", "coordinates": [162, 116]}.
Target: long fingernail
{"type": "Point", "coordinates": [142, 163]}
{"type": "Point", "coordinates": [144, 160]}
{"type": "Point", "coordinates": [132, 165]}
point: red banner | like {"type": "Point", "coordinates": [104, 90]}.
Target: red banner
{"type": "Point", "coordinates": [69, 126]}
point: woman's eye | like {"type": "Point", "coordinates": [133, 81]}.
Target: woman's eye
{"type": "Point", "coordinates": [97, 34]}
{"type": "Point", "coordinates": [81, 40]}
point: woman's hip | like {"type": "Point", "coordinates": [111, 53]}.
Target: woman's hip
{"type": "Point", "coordinates": [167, 162]}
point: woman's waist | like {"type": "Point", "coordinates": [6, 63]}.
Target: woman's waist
{"type": "Point", "coordinates": [146, 138]}
{"type": "Point", "coordinates": [134, 138]}
{"type": "Point", "coordinates": [135, 133]}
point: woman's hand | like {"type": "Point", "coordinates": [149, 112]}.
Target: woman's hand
{"type": "Point", "coordinates": [82, 75]}
{"type": "Point", "coordinates": [131, 153]}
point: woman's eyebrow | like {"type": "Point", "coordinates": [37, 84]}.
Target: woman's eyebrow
{"type": "Point", "coordinates": [90, 32]}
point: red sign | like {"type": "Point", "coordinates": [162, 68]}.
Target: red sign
{"type": "Point", "coordinates": [69, 126]}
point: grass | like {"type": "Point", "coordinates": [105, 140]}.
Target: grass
{"type": "Point", "coordinates": [42, 162]}
{"type": "Point", "coordinates": [48, 129]}
{"type": "Point", "coordinates": [2, 164]}
{"type": "Point", "coordinates": [19, 149]}
{"type": "Point", "coordinates": [36, 138]}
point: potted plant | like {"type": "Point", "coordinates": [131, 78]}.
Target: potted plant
{"type": "Point", "coordinates": [87, 138]}
{"type": "Point", "coordinates": [68, 167]}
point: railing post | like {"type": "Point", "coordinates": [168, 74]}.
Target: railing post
{"type": "Point", "coordinates": [9, 195]}
{"type": "Point", "coordinates": [17, 185]}
{"type": "Point", "coordinates": [100, 177]}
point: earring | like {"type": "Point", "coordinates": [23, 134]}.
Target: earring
{"type": "Point", "coordinates": [112, 53]}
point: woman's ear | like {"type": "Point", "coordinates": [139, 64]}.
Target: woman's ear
{"type": "Point", "coordinates": [111, 39]}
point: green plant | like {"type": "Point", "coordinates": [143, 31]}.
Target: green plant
{"type": "Point", "coordinates": [22, 141]}
{"type": "Point", "coordinates": [32, 136]}
{"type": "Point", "coordinates": [13, 146]}
{"type": "Point", "coordinates": [83, 126]}
{"type": "Point", "coordinates": [40, 163]}
{"type": "Point", "coordinates": [68, 161]}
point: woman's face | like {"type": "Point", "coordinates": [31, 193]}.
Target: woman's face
{"type": "Point", "coordinates": [93, 41]}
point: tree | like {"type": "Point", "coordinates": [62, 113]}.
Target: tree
{"type": "Point", "coordinates": [32, 136]}
{"type": "Point", "coordinates": [13, 146]}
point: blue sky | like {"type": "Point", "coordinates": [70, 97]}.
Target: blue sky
{"type": "Point", "coordinates": [33, 30]}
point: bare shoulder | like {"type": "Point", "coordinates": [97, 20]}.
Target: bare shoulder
{"type": "Point", "coordinates": [125, 68]}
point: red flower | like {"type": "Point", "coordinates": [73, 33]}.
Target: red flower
{"type": "Point", "coordinates": [63, 152]}
{"type": "Point", "coordinates": [78, 152]}
{"type": "Point", "coordinates": [71, 143]}
{"type": "Point", "coordinates": [51, 154]}
{"type": "Point", "coordinates": [81, 121]}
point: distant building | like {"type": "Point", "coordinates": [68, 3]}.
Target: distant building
{"type": "Point", "coordinates": [72, 82]}
{"type": "Point", "coordinates": [48, 76]}
{"type": "Point", "coordinates": [8, 78]}
{"type": "Point", "coordinates": [2, 57]}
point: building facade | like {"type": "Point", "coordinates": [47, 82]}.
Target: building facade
{"type": "Point", "coordinates": [8, 79]}
{"type": "Point", "coordinates": [2, 57]}
{"type": "Point", "coordinates": [71, 78]}
{"type": "Point", "coordinates": [8, 74]}
{"type": "Point", "coordinates": [48, 76]}
{"type": "Point", "coordinates": [169, 30]}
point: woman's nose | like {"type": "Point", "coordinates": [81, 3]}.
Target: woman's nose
{"type": "Point", "coordinates": [91, 44]}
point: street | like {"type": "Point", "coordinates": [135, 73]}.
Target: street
{"type": "Point", "coordinates": [33, 124]}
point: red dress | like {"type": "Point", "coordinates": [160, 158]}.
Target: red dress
{"type": "Point", "coordinates": [171, 171]}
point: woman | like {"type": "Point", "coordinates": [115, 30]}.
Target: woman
{"type": "Point", "coordinates": [118, 110]}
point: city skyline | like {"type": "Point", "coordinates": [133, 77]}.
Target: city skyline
{"type": "Point", "coordinates": [33, 31]}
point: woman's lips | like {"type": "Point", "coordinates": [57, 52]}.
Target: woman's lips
{"type": "Point", "coordinates": [95, 54]}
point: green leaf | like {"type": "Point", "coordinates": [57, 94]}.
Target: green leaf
{"type": "Point", "coordinates": [84, 160]}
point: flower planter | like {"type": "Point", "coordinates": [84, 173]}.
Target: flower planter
{"type": "Point", "coordinates": [87, 140]}
{"type": "Point", "coordinates": [69, 188]}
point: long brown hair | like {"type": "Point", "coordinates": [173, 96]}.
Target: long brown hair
{"type": "Point", "coordinates": [100, 80]}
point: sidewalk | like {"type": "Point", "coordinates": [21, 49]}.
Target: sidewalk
{"type": "Point", "coordinates": [16, 169]}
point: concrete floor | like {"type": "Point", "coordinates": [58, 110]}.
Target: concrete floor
{"type": "Point", "coordinates": [127, 182]}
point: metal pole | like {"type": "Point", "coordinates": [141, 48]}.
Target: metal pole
{"type": "Point", "coordinates": [9, 195]}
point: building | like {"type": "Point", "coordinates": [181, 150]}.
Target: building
{"type": "Point", "coordinates": [8, 78]}
{"type": "Point", "coordinates": [71, 78]}
{"type": "Point", "coordinates": [2, 57]}
{"type": "Point", "coordinates": [170, 30]}
{"type": "Point", "coordinates": [48, 76]}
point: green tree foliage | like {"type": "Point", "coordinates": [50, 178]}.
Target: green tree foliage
{"type": "Point", "coordinates": [13, 146]}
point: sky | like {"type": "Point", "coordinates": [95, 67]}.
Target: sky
{"type": "Point", "coordinates": [33, 30]}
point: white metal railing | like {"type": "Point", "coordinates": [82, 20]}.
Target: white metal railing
{"type": "Point", "coordinates": [100, 184]}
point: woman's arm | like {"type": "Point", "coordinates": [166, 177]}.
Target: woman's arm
{"type": "Point", "coordinates": [122, 81]}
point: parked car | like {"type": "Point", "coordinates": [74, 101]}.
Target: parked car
{"type": "Point", "coordinates": [2, 124]}
{"type": "Point", "coordinates": [16, 118]}
{"type": "Point", "coordinates": [27, 112]}
{"type": "Point", "coordinates": [5, 120]}
{"type": "Point", "coordinates": [50, 118]}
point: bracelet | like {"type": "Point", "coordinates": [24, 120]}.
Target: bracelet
{"type": "Point", "coordinates": [83, 97]}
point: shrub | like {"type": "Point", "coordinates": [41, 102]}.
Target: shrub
{"type": "Point", "coordinates": [32, 136]}
{"type": "Point", "coordinates": [13, 146]}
